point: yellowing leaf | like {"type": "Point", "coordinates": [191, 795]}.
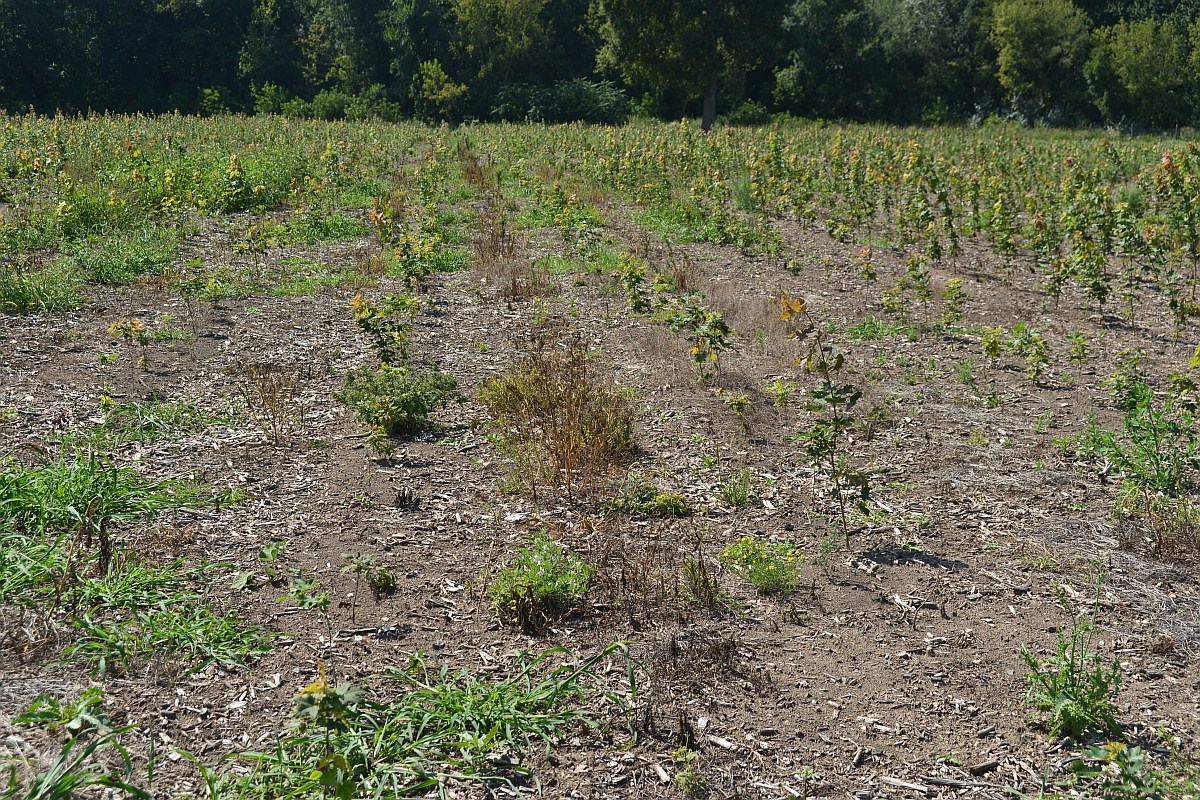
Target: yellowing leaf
{"type": "Point", "coordinates": [790, 307]}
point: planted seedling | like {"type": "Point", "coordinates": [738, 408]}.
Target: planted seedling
{"type": "Point", "coordinates": [1073, 689]}
{"type": "Point", "coordinates": [832, 398]}
{"type": "Point", "coordinates": [381, 579]}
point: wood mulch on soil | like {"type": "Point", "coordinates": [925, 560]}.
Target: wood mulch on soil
{"type": "Point", "coordinates": [895, 671]}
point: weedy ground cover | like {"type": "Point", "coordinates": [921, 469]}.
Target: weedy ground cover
{"type": "Point", "coordinates": [63, 553]}
{"type": "Point", "coordinates": [771, 567]}
{"type": "Point", "coordinates": [27, 288]}
{"type": "Point", "coordinates": [641, 496]}
{"type": "Point", "coordinates": [545, 580]}
{"type": "Point", "coordinates": [441, 726]}
{"type": "Point", "coordinates": [115, 260]}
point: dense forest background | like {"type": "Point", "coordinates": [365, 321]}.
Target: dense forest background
{"type": "Point", "coordinates": [1128, 63]}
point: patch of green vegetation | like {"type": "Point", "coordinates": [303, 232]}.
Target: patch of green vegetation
{"type": "Point", "coordinates": [396, 400]}
{"type": "Point", "coordinates": [454, 225]}
{"type": "Point", "coordinates": [601, 260]}
{"type": "Point", "coordinates": [681, 223]}
{"type": "Point", "coordinates": [441, 259]}
{"type": "Point", "coordinates": [188, 631]}
{"type": "Point", "coordinates": [28, 289]}
{"type": "Point", "coordinates": [60, 494]}
{"type": "Point", "coordinates": [148, 422]}
{"type": "Point", "coordinates": [771, 567]}
{"type": "Point", "coordinates": [644, 497]}
{"type": "Point", "coordinates": [360, 194]}
{"type": "Point", "coordinates": [61, 547]}
{"type": "Point", "coordinates": [315, 227]}
{"type": "Point", "coordinates": [557, 265]}
{"type": "Point", "coordinates": [1118, 771]}
{"type": "Point", "coordinates": [875, 328]}
{"type": "Point", "coordinates": [294, 277]}
{"type": "Point", "coordinates": [86, 763]}
{"type": "Point", "coordinates": [348, 741]}
{"type": "Point", "coordinates": [120, 258]}
{"type": "Point", "coordinates": [545, 579]}
{"type": "Point", "coordinates": [736, 490]}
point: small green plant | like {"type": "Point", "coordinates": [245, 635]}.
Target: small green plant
{"type": "Point", "coordinates": [771, 567]}
{"type": "Point", "coordinates": [1028, 343]}
{"type": "Point", "coordinates": [1118, 771]}
{"type": "Point", "coordinates": [805, 775]}
{"type": "Point", "coordinates": [84, 714]}
{"type": "Point", "coordinates": [387, 324]}
{"type": "Point", "coordinates": [1044, 422]}
{"type": "Point", "coordinates": [991, 344]}
{"type": "Point", "coordinates": [834, 399]}
{"type": "Point", "coordinates": [690, 780]}
{"type": "Point", "coordinates": [133, 332]}
{"type": "Point", "coordinates": [381, 579]}
{"type": "Point", "coordinates": [545, 580]}
{"type": "Point", "coordinates": [739, 404]}
{"type": "Point", "coordinates": [644, 497]}
{"type": "Point", "coordinates": [328, 710]}
{"type": "Point", "coordinates": [706, 330]}
{"type": "Point", "coordinates": [1080, 348]}
{"type": "Point", "coordinates": [269, 556]}
{"type": "Point", "coordinates": [305, 592]}
{"type": "Point", "coordinates": [954, 297]}
{"type": "Point", "coordinates": [735, 492]}
{"type": "Point", "coordinates": [993, 400]}
{"type": "Point", "coordinates": [780, 391]}
{"type": "Point", "coordinates": [966, 371]}
{"type": "Point", "coordinates": [396, 400]}
{"type": "Point", "coordinates": [1072, 689]}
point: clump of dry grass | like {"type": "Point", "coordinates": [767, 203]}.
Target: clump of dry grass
{"type": "Point", "coordinates": [560, 423]}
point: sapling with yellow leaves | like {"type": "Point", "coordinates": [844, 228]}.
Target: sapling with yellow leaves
{"type": "Point", "coordinates": [834, 399]}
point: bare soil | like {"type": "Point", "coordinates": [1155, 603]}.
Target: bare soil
{"type": "Point", "coordinates": [896, 670]}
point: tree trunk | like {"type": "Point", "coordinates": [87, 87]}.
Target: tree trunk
{"type": "Point", "coordinates": [710, 107]}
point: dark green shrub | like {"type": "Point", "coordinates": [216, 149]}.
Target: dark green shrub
{"type": "Point", "coordinates": [750, 112]}
{"type": "Point", "coordinates": [577, 100]}
{"type": "Point", "coordinates": [329, 104]}
{"type": "Point", "coordinates": [396, 400]}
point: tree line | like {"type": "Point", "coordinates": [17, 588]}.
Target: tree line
{"type": "Point", "coordinates": [1128, 63]}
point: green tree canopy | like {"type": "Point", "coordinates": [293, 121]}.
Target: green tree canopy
{"type": "Point", "coordinates": [1139, 71]}
{"type": "Point", "coordinates": [686, 43]}
{"type": "Point", "coordinates": [1041, 46]}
